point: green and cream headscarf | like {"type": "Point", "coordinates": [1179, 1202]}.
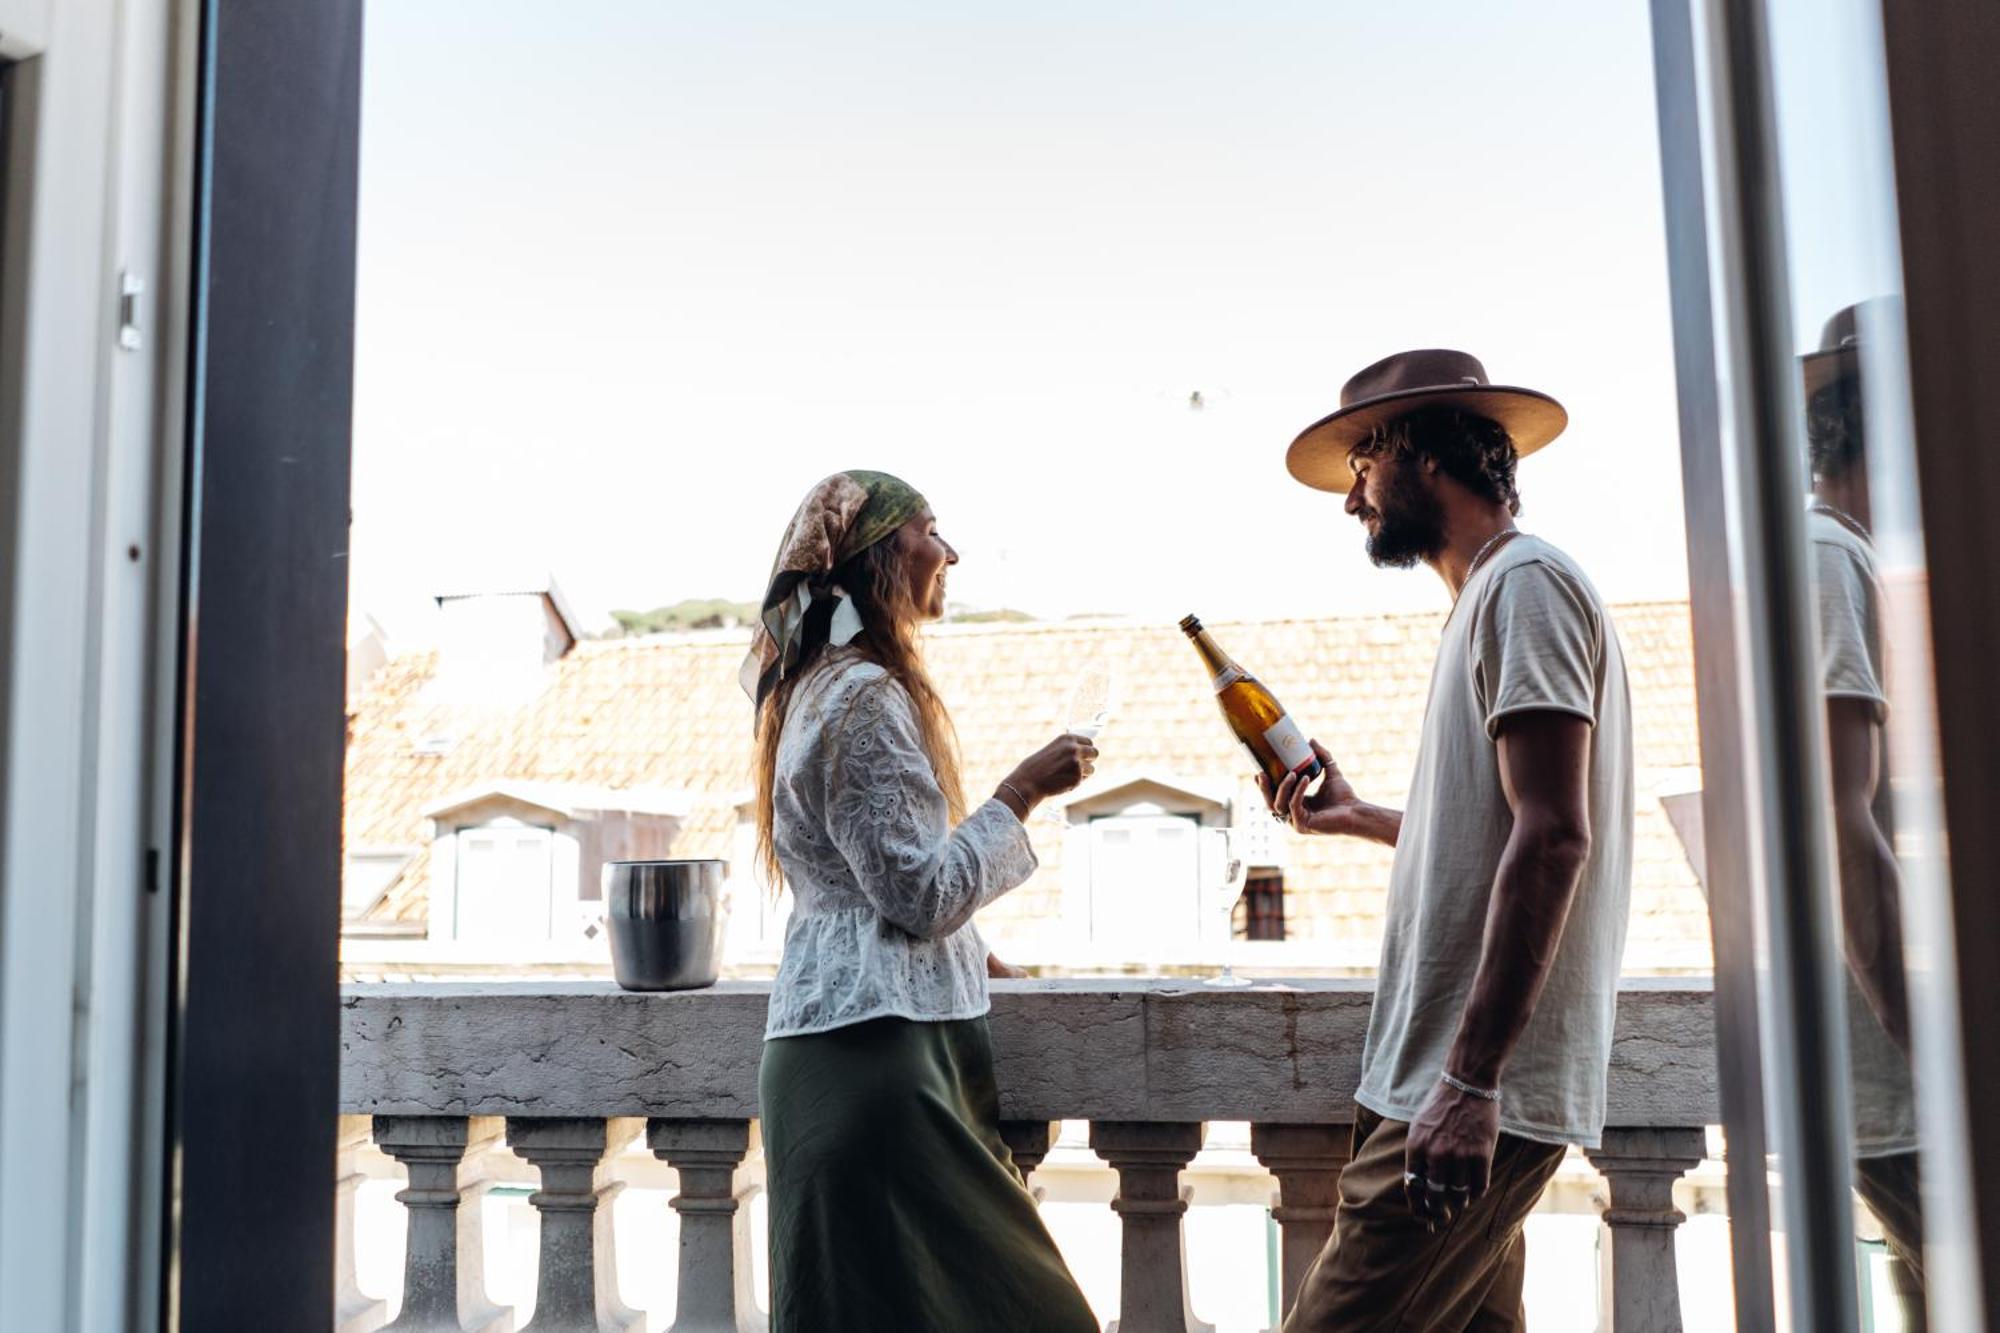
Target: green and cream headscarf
{"type": "Point", "coordinates": [839, 519]}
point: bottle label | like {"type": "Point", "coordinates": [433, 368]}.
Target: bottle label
{"type": "Point", "coordinates": [1229, 676]}
{"type": "Point", "coordinates": [1290, 747]}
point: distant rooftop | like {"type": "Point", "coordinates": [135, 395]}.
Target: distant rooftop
{"type": "Point", "coordinates": [665, 713]}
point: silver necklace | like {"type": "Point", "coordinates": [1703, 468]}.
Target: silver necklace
{"type": "Point", "coordinates": [1491, 542]}
{"type": "Point", "coordinates": [1841, 516]}
{"type": "Point", "coordinates": [1473, 568]}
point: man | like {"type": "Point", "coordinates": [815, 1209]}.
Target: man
{"type": "Point", "coordinates": [1491, 1030]}
{"type": "Point", "coordinates": [1848, 583]}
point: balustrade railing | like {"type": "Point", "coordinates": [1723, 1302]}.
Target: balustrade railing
{"type": "Point", "coordinates": [567, 1074]}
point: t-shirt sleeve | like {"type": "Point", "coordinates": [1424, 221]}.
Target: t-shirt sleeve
{"type": "Point", "coordinates": [1849, 635]}
{"type": "Point", "coordinates": [1535, 646]}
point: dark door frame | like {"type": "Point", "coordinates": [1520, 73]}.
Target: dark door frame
{"type": "Point", "coordinates": [1944, 105]}
{"type": "Point", "coordinates": [254, 1058]}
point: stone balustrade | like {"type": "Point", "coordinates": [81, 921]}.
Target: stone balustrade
{"type": "Point", "coordinates": [569, 1073]}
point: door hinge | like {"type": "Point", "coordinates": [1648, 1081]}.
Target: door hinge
{"type": "Point", "coordinates": [130, 288]}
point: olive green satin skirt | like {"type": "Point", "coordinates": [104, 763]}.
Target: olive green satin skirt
{"type": "Point", "coordinates": [894, 1204]}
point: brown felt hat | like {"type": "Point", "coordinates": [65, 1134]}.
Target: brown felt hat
{"type": "Point", "coordinates": [1839, 352]}
{"type": "Point", "coordinates": [1398, 385]}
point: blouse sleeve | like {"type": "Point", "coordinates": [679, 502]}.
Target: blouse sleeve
{"type": "Point", "coordinates": [888, 817]}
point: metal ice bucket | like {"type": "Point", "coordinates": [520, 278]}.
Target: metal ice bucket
{"type": "Point", "coordinates": [665, 919]}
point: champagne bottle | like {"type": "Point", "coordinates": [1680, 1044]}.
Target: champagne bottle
{"type": "Point", "coordinates": [1254, 713]}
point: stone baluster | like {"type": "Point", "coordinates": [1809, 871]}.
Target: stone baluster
{"type": "Point", "coordinates": [354, 1310]}
{"type": "Point", "coordinates": [443, 1264]}
{"type": "Point", "coordinates": [1148, 1157]}
{"type": "Point", "coordinates": [716, 1292]}
{"type": "Point", "coordinates": [577, 1282]}
{"type": "Point", "coordinates": [1029, 1141]}
{"type": "Point", "coordinates": [1640, 1167]}
{"type": "Point", "coordinates": [1306, 1159]}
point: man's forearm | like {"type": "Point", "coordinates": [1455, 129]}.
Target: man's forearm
{"type": "Point", "coordinates": [1872, 919]}
{"type": "Point", "coordinates": [1376, 823]}
{"type": "Point", "coordinates": [1532, 892]}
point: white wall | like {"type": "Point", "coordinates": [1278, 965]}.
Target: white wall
{"type": "Point", "coordinates": [87, 435]}
{"type": "Point", "coordinates": [496, 648]}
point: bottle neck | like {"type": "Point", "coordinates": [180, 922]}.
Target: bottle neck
{"type": "Point", "coordinates": [1219, 663]}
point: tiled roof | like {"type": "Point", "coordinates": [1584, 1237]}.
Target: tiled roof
{"type": "Point", "coordinates": [666, 713]}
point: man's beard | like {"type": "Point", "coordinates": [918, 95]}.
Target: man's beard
{"type": "Point", "coordinates": [1409, 526]}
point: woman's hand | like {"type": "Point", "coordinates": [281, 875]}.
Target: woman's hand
{"type": "Point", "coordinates": [999, 970]}
{"type": "Point", "coordinates": [1054, 769]}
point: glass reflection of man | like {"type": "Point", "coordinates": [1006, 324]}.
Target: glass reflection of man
{"type": "Point", "coordinates": [1850, 614]}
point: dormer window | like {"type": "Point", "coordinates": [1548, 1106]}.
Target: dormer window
{"type": "Point", "coordinates": [519, 862]}
{"type": "Point", "coordinates": [505, 886]}
{"type": "Point", "coordinates": [1145, 880]}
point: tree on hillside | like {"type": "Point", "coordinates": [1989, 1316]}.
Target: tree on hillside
{"type": "Point", "coordinates": [697, 613]}
{"type": "Point", "coordinates": [719, 613]}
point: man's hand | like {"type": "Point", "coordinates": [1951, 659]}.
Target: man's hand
{"type": "Point", "coordinates": [1449, 1161]}
{"type": "Point", "coordinates": [1331, 807]}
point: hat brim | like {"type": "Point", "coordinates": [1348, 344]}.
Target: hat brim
{"type": "Point", "coordinates": [1318, 457]}
{"type": "Point", "coordinates": [1819, 369]}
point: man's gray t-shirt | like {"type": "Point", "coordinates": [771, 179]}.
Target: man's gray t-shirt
{"type": "Point", "coordinates": [1849, 587]}
{"type": "Point", "coordinates": [1849, 593]}
{"type": "Point", "coordinates": [1529, 633]}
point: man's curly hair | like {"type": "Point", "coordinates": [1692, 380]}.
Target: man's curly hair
{"type": "Point", "coordinates": [1835, 440]}
{"type": "Point", "coordinates": [1472, 450]}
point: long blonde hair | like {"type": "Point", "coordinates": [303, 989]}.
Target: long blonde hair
{"type": "Point", "coordinates": [880, 587]}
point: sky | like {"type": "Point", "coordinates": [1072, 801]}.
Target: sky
{"type": "Point", "coordinates": [629, 283]}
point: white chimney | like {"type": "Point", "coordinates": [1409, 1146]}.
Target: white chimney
{"type": "Point", "coordinates": [495, 644]}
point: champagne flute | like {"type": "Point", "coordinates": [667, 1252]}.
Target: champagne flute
{"type": "Point", "coordinates": [1086, 708]}
{"type": "Point", "coordinates": [1223, 878]}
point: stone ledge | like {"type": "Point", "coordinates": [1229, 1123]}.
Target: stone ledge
{"type": "Point", "coordinates": [1110, 1049]}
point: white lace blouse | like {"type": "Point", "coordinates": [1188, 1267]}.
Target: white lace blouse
{"type": "Point", "coordinates": [884, 888]}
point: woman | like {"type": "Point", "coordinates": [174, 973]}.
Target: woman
{"type": "Point", "coordinates": [894, 1203]}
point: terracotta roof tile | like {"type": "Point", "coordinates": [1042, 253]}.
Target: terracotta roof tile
{"type": "Point", "coordinates": [666, 712]}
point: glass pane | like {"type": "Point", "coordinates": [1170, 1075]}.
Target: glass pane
{"type": "Point", "coordinates": [1866, 563]}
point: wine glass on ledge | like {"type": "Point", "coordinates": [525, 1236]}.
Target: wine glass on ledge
{"type": "Point", "coordinates": [1224, 872]}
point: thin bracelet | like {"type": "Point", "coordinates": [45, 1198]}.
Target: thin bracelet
{"type": "Point", "coordinates": [1483, 1094]}
{"type": "Point", "coordinates": [1026, 804]}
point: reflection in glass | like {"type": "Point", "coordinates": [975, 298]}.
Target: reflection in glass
{"type": "Point", "coordinates": [1867, 549]}
{"type": "Point", "coordinates": [1848, 588]}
